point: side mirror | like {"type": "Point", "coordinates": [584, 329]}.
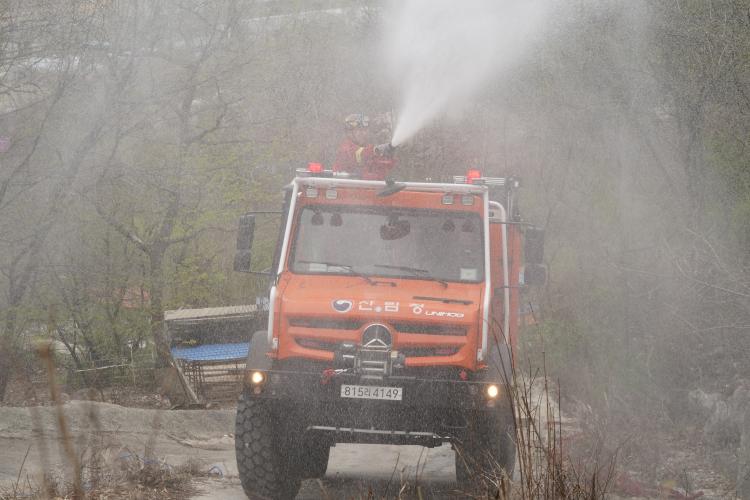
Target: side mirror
{"type": "Point", "coordinates": [533, 245]}
{"type": "Point", "coordinates": [534, 275]}
{"type": "Point", "coordinates": [245, 233]}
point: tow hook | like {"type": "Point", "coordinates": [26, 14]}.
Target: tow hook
{"type": "Point", "coordinates": [331, 373]}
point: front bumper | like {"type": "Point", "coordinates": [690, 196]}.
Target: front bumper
{"type": "Point", "coordinates": [430, 412]}
{"type": "Point", "coordinates": [308, 388]}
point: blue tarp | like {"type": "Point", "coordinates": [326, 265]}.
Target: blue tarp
{"type": "Point", "coordinates": [212, 352]}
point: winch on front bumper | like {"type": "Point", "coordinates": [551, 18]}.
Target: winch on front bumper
{"type": "Point", "coordinates": [368, 395]}
{"type": "Point", "coordinates": [373, 372]}
{"type": "Point", "coordinates": [346, 407]}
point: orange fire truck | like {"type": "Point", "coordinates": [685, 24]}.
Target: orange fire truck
{"type": "Point", "coordinates": [393, 318]}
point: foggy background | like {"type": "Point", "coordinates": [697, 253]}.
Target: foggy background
{"type": "Point", "coordinates": [134, 133]}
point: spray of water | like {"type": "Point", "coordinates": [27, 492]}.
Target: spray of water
{"type": "Point", "coordinates": [440, 52]}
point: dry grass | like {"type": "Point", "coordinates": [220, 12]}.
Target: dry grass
{"type": "Point", "coordinates": [547, 465]}
{"type": "Point", "coordinates": [97, 469]}
{"type": "Point", "coordinates": [545, 454]}
{"type": "Point", "coordinates": [132, 478]}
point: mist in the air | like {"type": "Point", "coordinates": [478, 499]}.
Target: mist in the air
{"type": "Point", "coordinates": [441, 52]}
{"type": "Point", "coordinates": [134, 135]}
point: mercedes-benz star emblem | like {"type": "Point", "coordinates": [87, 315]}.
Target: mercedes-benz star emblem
{"type": "Point", "coordinates": [376, 336]}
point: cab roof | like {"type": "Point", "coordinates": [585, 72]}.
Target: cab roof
{"type": "Point", "coordinates": [428, 187]}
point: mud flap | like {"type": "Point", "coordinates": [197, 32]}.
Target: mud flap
{"type": "Point", "coordinates": [499, 363]}
{"type": "Point", "coordinates": [256, 356]}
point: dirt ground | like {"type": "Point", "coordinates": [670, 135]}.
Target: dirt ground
{"type": "Point", "coordinates": [356, 471]}
{"type": "Point", "coordinates": [205, 436]}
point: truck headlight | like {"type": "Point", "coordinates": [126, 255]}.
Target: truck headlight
{"type": "Point", "coordinates": [492, 391]}
{"type": "Point", "coordinates": [257, 378]}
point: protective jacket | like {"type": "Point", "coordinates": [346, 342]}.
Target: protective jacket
{"type": "Point", "coordinates": [361, 161]}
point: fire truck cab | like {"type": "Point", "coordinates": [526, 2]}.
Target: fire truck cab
{"type": "Point", "coordinates": [392, 319]}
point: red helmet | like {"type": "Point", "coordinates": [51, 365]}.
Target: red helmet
{"type": "Point", "coordinates": [355, 121]}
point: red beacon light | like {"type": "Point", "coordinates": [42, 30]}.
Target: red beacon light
{"type": "Point", "coordinates": [315, 168]}
{"type": "Point", "coordinates": [472, 175]}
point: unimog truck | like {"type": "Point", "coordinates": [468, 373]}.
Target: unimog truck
{"type": "Point", "coordinates": [393, 318]}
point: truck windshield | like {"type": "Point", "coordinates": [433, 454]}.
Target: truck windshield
{"type": "Point", "coordinates": [389, 242]}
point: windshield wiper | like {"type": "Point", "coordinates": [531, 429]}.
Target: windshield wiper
{"type": "Point", "coordinates": [345, 267]}
{"type": "Point", "coordinates": [422, 274]}
{"type": "Point", "coordinates": [444, 300]}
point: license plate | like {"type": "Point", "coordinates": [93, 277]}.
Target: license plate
{"type": "Point", "coordinates": [372, 392]}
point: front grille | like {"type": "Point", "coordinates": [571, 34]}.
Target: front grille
{"type": "Point", "coordinates": [422, 352]}
{"type": "Point", "coordinates": [430, 329]}
{"type": "Point", "coordinates": [326, 323]}
{"type": "Point", "coordinates": [317, 344]}
{"type": "Point", "coordinates": [433, 372]}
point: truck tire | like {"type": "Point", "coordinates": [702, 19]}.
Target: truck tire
{"type": "Point", "coordinates": [262, 463]}
{"type": "Point", "coordinates": [314, 460]}
{"type": "Point", "coordinates": [488, 448]}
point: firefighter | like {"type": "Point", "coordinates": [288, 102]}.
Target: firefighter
{"type": "Point", "coordinates": [357, 157]}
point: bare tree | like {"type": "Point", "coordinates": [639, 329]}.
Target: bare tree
{"type": "Point", "coordinates": [46, 163]}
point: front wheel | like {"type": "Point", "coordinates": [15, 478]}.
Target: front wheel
{"type": "Point", "coordinates": [314, 460]}
{"type": "Point", "coordinates": [262, 458]}
{"type": "Point", "coordinates": [487, 454]}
